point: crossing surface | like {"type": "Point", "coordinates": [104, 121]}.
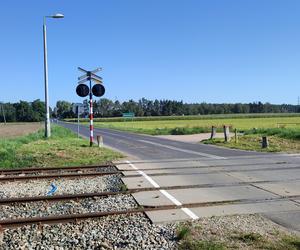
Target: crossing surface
{"type": "Point", "coordinates": [205, 180]}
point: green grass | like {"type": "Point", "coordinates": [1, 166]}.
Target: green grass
{"type": "Point", "coordinates": [62, 149]}
{"type": "Point", "coordinates": [184, 235]}
{"type": "Point", "coordinates": [200, 125]}
{"type": "Point", "coordinates": [287, 133]}
{"type": "Point", "coordinates": [201, 245]}
{"type": "Point", "coordinates": [280, 140]}
{"type": "Point", "coordinates": [195, 236]}
{"type": "Point", "coordinates": [183, 232]}
{"type": "Point", "coordinates": [249, 238]}
{"type": "Point", "coordinates": [257, 241]}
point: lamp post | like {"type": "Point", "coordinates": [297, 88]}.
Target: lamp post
{"type": "Point", "coordinates": [47, 119]}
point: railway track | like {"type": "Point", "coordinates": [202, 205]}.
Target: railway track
{"type": "Point", "coordinates": [11, 223]}
{"type": "Point", "coordinates": [61, 172]}
{"type": "Point", "coordinates": [100, 170]}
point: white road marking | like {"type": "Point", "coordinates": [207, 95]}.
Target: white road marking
{"type": "Point", "coordinates": [171, 198]}
{"type": "Point", "coordinates": [165, 193]}
{"type": "Point", "coordinates": [184, 150]}
{"type": "Point", "coordinates": [190, 213]}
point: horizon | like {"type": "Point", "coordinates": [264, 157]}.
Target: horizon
{"type": "Point", "coordinates": [152, 100]}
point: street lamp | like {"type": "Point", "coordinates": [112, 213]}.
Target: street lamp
{"type": "Point", "coordinates": [47, 120]}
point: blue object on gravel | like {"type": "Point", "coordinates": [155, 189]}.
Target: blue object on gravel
{"type": "Point", "coordinates": [53, 190]}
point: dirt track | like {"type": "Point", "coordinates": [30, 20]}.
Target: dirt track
{"type": "Point", "coordinates": [17, 129]}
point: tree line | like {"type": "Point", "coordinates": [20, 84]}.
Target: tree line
{"type": "Point", "coordinates": [144, 107]}
{"type": "Point", "coordinates": [22, 111]}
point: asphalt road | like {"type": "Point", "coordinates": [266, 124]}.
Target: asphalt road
{"type": "Point", "coordinates": [191, 173]}
{"type": "Point", "coordinates": [149, 147]}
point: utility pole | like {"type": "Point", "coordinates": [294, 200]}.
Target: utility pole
{"type": "Point", "coordinates": [47, 111]}
{"type": "Point", "coordinates": [3, 113]}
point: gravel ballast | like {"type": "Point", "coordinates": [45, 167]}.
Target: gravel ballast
{"type": "Point", "coordinates": [87, 205]}
{"type": "Point", "coordinates": [64, 186]}
{"type": "Point", "coordinates": [113, 232]}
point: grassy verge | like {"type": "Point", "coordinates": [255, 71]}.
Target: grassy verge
{"type": "Point", "coordinates": [280, 140]}
{"type": "Point", "coordinates": [213, 234]}
{"type": "Point", "coordinates": [62, 149]}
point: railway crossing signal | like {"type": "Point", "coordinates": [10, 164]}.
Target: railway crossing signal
{"type": "Point", "coordinates": [84, 90]}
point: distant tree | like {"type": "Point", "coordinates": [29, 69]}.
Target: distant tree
{"type": "Point", "coordinates": [64, 109]}
{"type": "Point", "coordinates": [24, 111]}
{"type": "Point", "coordinates": [104, 108]}
{"type": "Point", "coordinates": [38, 109]}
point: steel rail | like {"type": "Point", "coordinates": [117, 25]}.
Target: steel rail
{"type": "Point", "coordinates": [12, 176]}
{"type": "Point", "coordinates": [51, 176]}
{"type": "Point", "coordinates": [37, 169]}
{"type": "Point", "coordinates": [11, 223]}
{"type": "Point", "coordinates": [6, 201]}
{"type": "Point", "coordinates": [7, 172]}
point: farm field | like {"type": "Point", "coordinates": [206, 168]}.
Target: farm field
{"type": "Point", "coordinates": [165, 127]}
{"type": "Point", "coordinates": [11, 130]}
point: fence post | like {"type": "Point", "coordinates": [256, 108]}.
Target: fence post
{"type": "Point", "coordinates": [100, 141]}
{"type": "Point", "coordinates": [213, 132]}
{"type": "Point", "coordinates": [264, 142]}
{"type": "Point", "coordinates": [226, 133]}
{"type": "Point", "coordinates": [235, 135]}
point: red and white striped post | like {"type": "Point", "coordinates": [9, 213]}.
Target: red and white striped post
{"type": "Point", "coordinates": [91, 116]}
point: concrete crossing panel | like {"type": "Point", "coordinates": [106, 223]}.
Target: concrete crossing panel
{"type": "Point", "coordinates": [291, 188]}
{"type": "Point", "coordinates": [179, 180]}
{"type": "Point", "coordinates": [221, 210]}
{"type": "Point", "coordinates": [203, 195]}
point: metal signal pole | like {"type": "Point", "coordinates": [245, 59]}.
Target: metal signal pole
{"type": "Point", "coordinates": [97, 90]}
{"type": "Point", "coordinates": [91, 115]}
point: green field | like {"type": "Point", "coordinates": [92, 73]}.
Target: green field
{"type": "Point", "coordinates": [191, 126]}
{"type": "Point", "coordinates": [62, 149]}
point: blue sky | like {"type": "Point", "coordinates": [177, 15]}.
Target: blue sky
{"type": "Point", "coordinates": [195, 51]}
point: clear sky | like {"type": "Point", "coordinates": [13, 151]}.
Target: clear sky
{"type": "Point", "coordinates": [195, 51]}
